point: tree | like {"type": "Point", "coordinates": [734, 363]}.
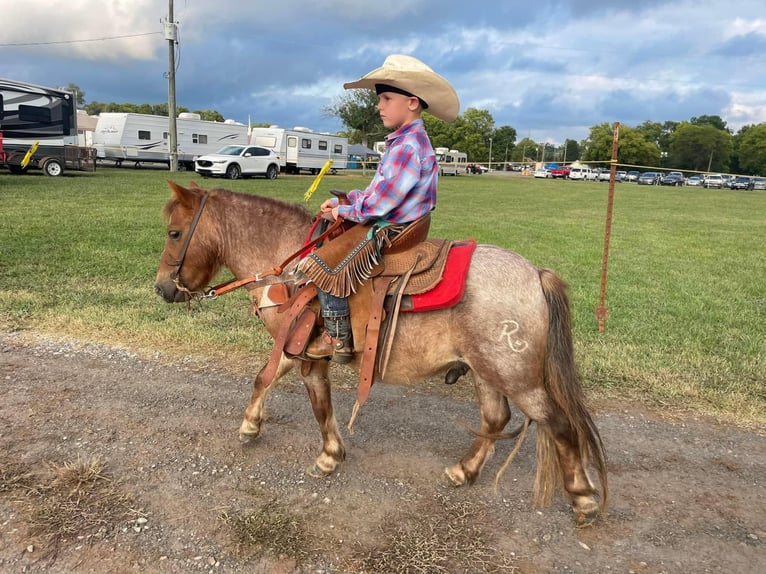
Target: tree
{"type": "Point", "coordinates": [752, 149]}
{"type": "Point", "coordinates": [701, 147]}
{"type": "Point", "coordinates": [716, 121]}
{"type": "Point", "coordinates": [358, 110]}
{"type": "Point", "coordinates": [634, 148]}
{"type": "Point", "coordinates": [526, 150]}
{"type": "Point", "coordinates": [210, 115]}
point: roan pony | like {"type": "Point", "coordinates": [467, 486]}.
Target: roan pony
{"type": "Point", "coordinates": [511, 331]}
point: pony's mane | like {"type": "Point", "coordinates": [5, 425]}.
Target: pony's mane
{"type": "Point", "coordinates": [248, 201]}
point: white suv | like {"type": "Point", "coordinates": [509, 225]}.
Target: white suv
{"type": "Point", "coordinates": [235, 161]}
{"type": "Point", "coordinates": [582, 173]}
{"type": "Point", "coordinates": [713, 180]}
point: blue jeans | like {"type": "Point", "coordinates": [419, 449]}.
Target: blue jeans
{"type": "Point", "coordinates": [333, 307]}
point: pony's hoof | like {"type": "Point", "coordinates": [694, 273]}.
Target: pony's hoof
{"type": "Point", "coordinates": [455, 475]}
{"type": "Point", "coordinates": [247, 438]}
{"type": "Point", "coordinates": [586, 519]}
{"type": "Point", "coordinates": [315, 472]}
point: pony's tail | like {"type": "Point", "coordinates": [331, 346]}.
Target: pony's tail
{"type": "Point", "coordinates": [563, 387]}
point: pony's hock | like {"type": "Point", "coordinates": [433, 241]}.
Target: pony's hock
{"type": "Point", "coordinates": [510, 329]}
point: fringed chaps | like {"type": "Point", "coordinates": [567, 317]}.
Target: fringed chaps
{"type": "Point", "coordinates": [340, 265]}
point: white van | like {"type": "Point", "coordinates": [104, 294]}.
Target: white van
{"type": "Point", "coordinates": [584, 173]}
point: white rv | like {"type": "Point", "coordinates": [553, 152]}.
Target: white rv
{"type": "Point", "coordinates": [38, 129]}
{"type": "Point", "coordinates": [143, 138]}
{"type": "Point", "coordinates": [301, 149]}
{"type": "Point", "coordinates": [451, 161]}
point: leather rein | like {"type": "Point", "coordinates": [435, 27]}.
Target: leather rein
{"type": "Point", "coordinates": [233, 284]}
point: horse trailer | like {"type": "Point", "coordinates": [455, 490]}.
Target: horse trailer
{"type": "Point", "coordinates": [38, 129]}
{"type": "Point", "coordinates": [144, 138]}
{"type": "Point", "coordinates": [301, 149]}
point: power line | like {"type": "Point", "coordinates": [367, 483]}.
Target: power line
{"type": "Point", "coordinates": [25, 44]}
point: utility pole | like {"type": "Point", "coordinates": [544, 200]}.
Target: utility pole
{"type": "Point", "coordinates": [171, 35]}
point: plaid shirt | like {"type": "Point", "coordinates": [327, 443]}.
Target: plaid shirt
{"type": "Point", "coordinates": [404, 186]}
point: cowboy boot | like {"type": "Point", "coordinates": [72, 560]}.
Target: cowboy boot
{"type": "Point", "coordinates": [334, 343]}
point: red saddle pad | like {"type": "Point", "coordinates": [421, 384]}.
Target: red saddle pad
{"type": "Point", "coordinates": [449, 291]}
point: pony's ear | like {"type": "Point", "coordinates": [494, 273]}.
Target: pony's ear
{"type": "Point", "coordinates": [193, 185]}
{"type": "Point", "coordinates": [184, 196]}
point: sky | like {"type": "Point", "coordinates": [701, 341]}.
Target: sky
{"type": "Point", "coordinates": [551, 69]}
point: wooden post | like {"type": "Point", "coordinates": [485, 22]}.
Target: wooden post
{"type": "Point", "coordinates": [602, 312]}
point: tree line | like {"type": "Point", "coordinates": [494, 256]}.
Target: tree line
{"type": "Point", "coordinates": [703, 143]}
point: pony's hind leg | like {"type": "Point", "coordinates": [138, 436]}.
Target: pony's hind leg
{"type": "Point", "coordinates": [558, 448]}
{"type": "Point", "coordinates": [495, 414]}
{"type": "Point", "coordinates": [251, 423]}
{"type": "Point", "coordinates": [333, 452]}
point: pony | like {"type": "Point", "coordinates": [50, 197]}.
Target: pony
{"type": "Point", "coordinates": [511, 331]}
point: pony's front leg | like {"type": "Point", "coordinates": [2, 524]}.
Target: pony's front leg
{"type": "Point", "coordinates": [495, 414]}
{"type": "Point", "coordinates": [251, 424]}
{"type": "Point", "coordinates": [333, 452]}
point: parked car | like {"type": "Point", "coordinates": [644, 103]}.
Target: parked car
{"type": "Point", "coordinates": [621, 176]}
{"type": "Point", "coordinates": [713, 180]}
{"type": "Point", "coordinates": [542, 173]}
{"type": "Point", "coordinates": [561, 172]}
{"type": "Point", "coordinates": [675, 178]}
{"type": "Point", "coordinates": [235, 161]}
{"type": "Point", "coordinates": [694, 181]}
{"type": "Point", "coordinates": [648, 178]}
{"type": "Point", "coordinates": [583, 173]}
{"type": "Point", "coordinates": [759, 183]}
{"type": "Point", "coordinates": [727, 179]}
{"type": "Point", "coordinates": [741, 182]}
{"type": "Point", "coordinates": [603, 174]}
{"type": "Point", "coordinates": [632, 175]}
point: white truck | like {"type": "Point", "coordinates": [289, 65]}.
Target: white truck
{"type": "Point", "coordinates": [144, 138]}
{"type": "Point", "coordinates": [300, 148]}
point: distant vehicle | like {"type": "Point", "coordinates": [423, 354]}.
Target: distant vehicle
{"type": "Point", "coordinates": [542, 173]}
{"type": "Point", "coordinates": [38, 129]}
{"type": "Point", "coordinates": [632, 175]}
{"type": "Point", "coordinates": [604, 174]}
{"type": "Point", "coordinates": [235, 161]}
{"type": "Point", "coordinates": [451, 161]}
{"type": "Point", "coordinates": [727, 179]}
{"type": "Point", "coordinates": [621, 176]}
{"type": "Point", "coordinates": [300, 148]}
{"type": "Point", "coordinates": [583, 173]}
{"type": "Point", "coordinates": [741, 182]}
{"type": "Point", "coordinates": [759, 183]}
{"type": "Point", "coordinates": [713, 180]}
{"type": "Point", "coordinates": [144, 138]}
{"type": "Point", "coordinates": [561, 172]}
{"type": "Point", "coordinates": [694, 181]}
{"type": "Point", "coordinates": [674, 178]}
{"type": "Point", "coordinates": [648, 178]}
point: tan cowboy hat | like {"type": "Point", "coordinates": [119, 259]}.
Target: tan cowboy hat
{"type": "Point", "coordinates": [411, 76]}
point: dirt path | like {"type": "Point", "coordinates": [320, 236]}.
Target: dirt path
{"type": "Point", "coordinates": [185, 496]}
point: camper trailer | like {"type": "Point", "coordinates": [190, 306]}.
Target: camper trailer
{"type": "Point", "coordinates": [38, 129]}
{"type": "Point", "coordinates": [143, 138]}
{"type": "Point", "coordinates": [301, 149]}
{"type": "Point", "coordinates": [451, 161]}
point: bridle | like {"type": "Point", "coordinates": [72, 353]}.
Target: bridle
{"type": "Point", "coordinates": [175, 275]}
{"type": "Point", "coordinates": [213, 292]}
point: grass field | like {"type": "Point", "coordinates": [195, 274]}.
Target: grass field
{"type": "Point", "coordinates": [686, 294]}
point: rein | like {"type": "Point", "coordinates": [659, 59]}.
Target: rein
{"type": "Point", "coordinates": [234, 284]}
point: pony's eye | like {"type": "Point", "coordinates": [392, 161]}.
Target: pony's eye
{"type": "Point", "coordinates": [174, 235]}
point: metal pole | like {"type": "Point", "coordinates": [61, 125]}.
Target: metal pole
{"type": "Point", "coordinates": [602, 313]}
{"type": "Point", "coordinates": [489, 163]}
{"type": "Point", "coordinates": [171, 36]}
